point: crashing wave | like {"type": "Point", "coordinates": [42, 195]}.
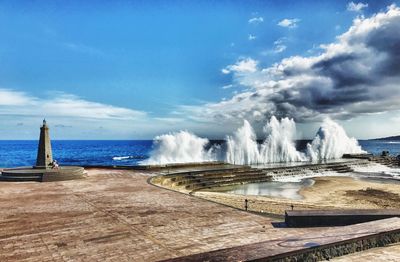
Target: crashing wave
{"type": "Point", "coordinates": [179, 147]}
{"type": "Point", "coordinates": [330, 142]}
{"type": "Point", "coordinates": [279, 145]}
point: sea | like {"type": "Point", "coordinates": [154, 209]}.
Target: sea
{"type": "Point", "coordinates": [15, 153]}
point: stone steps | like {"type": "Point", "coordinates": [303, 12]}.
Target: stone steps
{"type": "Point", "coordinates": [221, 178]}
{"type": "Point", "coordinates": [41, 175]}
{"type": "Point", "coordinates": [22, 174]}
{"type": "Point", "coordinates": [213, 178]}
{"type": "Point", "coordinates": [183, 175]}
{"type": "Point", "coordinates": [218, 179]}
{"type": "Point", "coordinates": [5, 178]}
{"type": "Point", "coordinates": [209, 184]}
{"type": "Point", "coordinates": [342, 168]}
{"type": "Point", "coordinates": [389, 161]}
{"type": "Point", "coordinates": [195, 180]}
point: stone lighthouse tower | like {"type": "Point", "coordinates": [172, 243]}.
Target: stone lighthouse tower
{"type": "Point", "coordinates": [44, 155]}
{"type": "Point", "coordinates": [43, 171]}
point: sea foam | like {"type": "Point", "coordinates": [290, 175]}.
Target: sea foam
{"type": "Point", "coordinates": [119, 158]}
{"type": "Point", "coordinates": [279, 145]}
{"type": "Point", "coordinates": [330, 142]}
{"type": "Point", "coordinates": [179, 147]}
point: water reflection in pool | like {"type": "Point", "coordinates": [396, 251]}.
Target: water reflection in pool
{"type": "Point", "coordinates": [288, 190]}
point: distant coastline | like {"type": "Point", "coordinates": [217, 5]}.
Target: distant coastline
{"type": "Point", "coordinates": [389, 138]}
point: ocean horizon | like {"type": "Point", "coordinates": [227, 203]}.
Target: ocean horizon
{"type": "Point", "coordinates": [15, 153]}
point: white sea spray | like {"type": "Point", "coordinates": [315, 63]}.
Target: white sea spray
{"type": "Point", "coordinates": [279, 145]}
{"type": "Point", "coordinates": [179, 147]}
{"type": "Point", "coordinates": [331, 142]}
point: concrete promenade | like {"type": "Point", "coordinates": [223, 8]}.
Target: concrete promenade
{"type": "Point", "coordinates": [115, 215]}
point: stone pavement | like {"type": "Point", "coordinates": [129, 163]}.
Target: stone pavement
{"type": "Point", "coordinates": [115, 215]}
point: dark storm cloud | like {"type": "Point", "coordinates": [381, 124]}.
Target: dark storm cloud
{"type": "Point", "coordinates": [358, 74]}
{"type": "Point", "coordinates": [343, 70]}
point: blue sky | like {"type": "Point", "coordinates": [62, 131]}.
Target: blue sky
{"type": "Point", "coordinates": [134, 69]}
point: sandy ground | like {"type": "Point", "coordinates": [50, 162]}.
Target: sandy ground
{"type": "Point", "coordinates": [327, 192]}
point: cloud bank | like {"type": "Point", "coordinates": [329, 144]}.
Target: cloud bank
{"type": "Point", "coordinates": [358, 74]}
{"type": "Point", "coordinates": [74, 117]}
{"type": "Point", "coordinates": [16, 103]}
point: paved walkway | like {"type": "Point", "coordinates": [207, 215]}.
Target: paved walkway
{"type": "Point", "coordinates": [116, 216]}
{"type": "Point", "coordinates": [303, 243]}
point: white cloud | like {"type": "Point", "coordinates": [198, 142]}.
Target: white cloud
{"type": "Point", "coordinates": [225, 71]}
{"type": "Point", "coordinates": [170, 120]}
{"type": "Point", "coordinates": [10, 97]}
{"type": "Point", "coordinates": [241, 66]}
{"type": "Point", "coordinates": [280, 45]}
{"type": "Point", "coordinates": [280, 41]}
{"type": "Point", "coordinates": [252, 37]}
{"type": "Point", "coordinates": [73, 106]}
{"type": "Point", "coordinates": [227, 86]}
{"type": "Point", "coordinates": [356, 7]}
{"type": "Point", "coordinates": [61, 105]}
{"type": "Point", "coordinates": [256, 20]}
{"type": "Point", "coordinates": [289, 23]}
{"type": "Point", "coordinates": [88, 119]}
{"type": "Point", "coordinates": [395, 119]}
{"type": "Point", "coordinates": [279, 48]}
{"type": "Point", "coordinates": [357, 75]}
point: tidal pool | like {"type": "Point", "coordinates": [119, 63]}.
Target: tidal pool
{"type": "Point", "coordinates": [289, 186]}
{"type": "Point", "coordinates": [289, 190]}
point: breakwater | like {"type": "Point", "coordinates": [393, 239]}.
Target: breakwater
{"type": "Point", "coordinates": [219, 174]}
{"type": "Point", "coordinates": [194, 180]}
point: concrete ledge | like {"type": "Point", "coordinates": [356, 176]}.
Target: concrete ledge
{"type": "Point", "coordinates": [343, 217]}
{"type": "Point", "coordinates": [160, 167]}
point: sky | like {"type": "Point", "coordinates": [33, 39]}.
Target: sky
{"type": "Point", "coordinates": [137, 69]}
